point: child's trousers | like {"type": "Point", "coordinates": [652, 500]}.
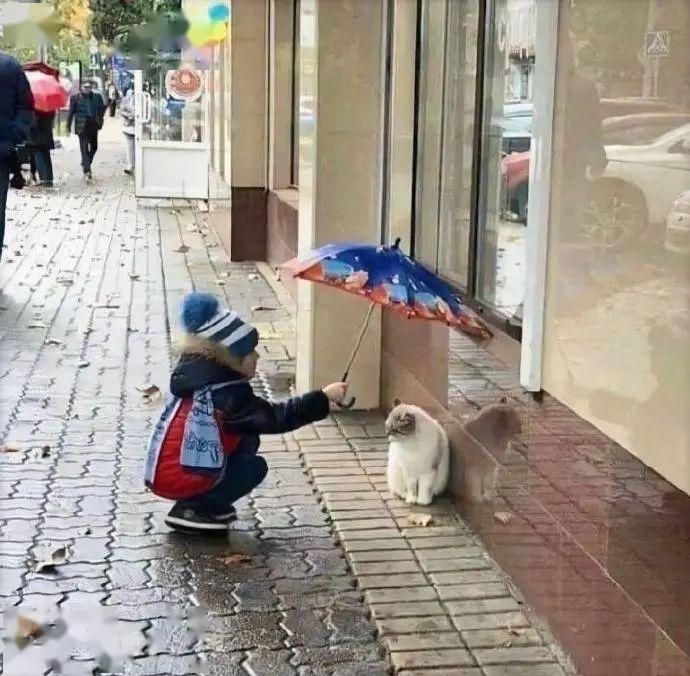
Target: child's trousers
{"type": "Point", "coordinates": [242, 475]}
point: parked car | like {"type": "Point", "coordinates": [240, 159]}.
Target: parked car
{"type": "Point", "coordinates": [678, 226]}
{"type": "Point", "coordinates": [516, 126]}
{"type": "Point", "coordinates": [649, 177]}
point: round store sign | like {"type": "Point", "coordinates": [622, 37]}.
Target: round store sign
{"type": "Point", "coordinates": [185, 84]}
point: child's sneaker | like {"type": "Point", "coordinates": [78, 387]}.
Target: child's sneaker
{"type": "Point", "coordinates": [185, 518]}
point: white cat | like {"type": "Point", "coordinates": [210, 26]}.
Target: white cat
{"type": "Point", "coordinates": [418, 455]}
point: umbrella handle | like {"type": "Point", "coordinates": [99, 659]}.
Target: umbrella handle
{"type": "Point", "coordinates": [351, 402]}
{"type": "Point", "coordinates": [346, 405]}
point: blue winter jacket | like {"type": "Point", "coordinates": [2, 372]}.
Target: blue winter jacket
{"type": "Point", "coordinates": [16, 106]}
{"type": "Point", "coordinates": [242, 412]}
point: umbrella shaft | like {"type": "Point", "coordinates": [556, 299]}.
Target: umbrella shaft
{"type": "Point", "coordinates": [359, 340]}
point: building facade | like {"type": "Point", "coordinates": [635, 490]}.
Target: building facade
{"type": "Point", "coordinates": [534, 153]}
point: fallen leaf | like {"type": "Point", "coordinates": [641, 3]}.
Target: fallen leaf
{"type": "Point", "coordinates": [86, 531]}
{"type": "Point", "coordinates": [37, 325]}
{"type": "Point", "coordinates": [10, 447]}
{"type": "Point", "coordinates": [420, 519]}
{"type": "Point", "coordinates": [45, 452]}
{"type": "Point", "coordinates": [150, 392]}
{"type": "Point", "coordinates": [106, 306]}
{"type": "Point", "coordinates": [57, 557]}
{"type": "Point", "coordinates": [263, 308]}
{"type": "Point", "coordinates": [235, 558]}
{"type": "Point", "coordinates": [27, 629]}
{"type": "Point", "coordinates": [503, 517]}
{"type": "Point", "coordinates": [220, 282]}
{"type": "Point", "coordinates": [134, 277]}
{"type": "Point", "coordinates": [253, 277]}
{"type": "Point", "coordinates": [83, 364]}
{"type": "Point", "coordinates": [515, 631]}
{"type": "Point", "coordinates": [182, 249]}
{"type": "Point", "coordinates": [53, 341]}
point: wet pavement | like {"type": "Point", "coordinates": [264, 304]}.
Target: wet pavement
{"type": "Point", "coordinates": [322, 574]}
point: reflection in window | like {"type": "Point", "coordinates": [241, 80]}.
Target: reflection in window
{"type": "Point", "coordinates": [507, 127]}
{"type": "Point", "coordinates": [458, 141]}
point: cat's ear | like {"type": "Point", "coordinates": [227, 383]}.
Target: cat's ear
{"type": "Point", "coordinates": [396, 402]}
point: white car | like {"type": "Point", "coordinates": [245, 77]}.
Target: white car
{"type": "Point", "coordinates": [678, 226]}
{"type": "Point", "coordinates": [648, 178]}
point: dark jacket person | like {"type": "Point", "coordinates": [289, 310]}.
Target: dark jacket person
{"type": "Point", "coordinates": [16, 113]}
{"type": "Point", "coordinates": [86, 109]}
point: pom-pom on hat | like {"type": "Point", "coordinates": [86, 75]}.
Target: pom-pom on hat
{"type": "Point", "coordinates": [204, 317]}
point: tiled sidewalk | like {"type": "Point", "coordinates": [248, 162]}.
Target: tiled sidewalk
{"type": "Point", "coordinates": [90, 285]}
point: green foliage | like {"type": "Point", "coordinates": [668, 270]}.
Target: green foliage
{"type": "Point", "coordinates": [110, 18]}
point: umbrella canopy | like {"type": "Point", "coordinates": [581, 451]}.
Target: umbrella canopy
{"type": "Point", "coordinates": [49, 95]}
{"type": "Point", "coordinates": [41, 67]}
{"type": "Point", "coordinates": [386, 276]}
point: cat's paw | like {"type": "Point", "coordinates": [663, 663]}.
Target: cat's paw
{"type": "Point", "coordinates": [424, 500]}
{"type": "Point", "coordinates": [411, 499]}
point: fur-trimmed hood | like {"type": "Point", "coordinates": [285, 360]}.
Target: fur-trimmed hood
{"type": "Point", "coordinates": [201, 363]}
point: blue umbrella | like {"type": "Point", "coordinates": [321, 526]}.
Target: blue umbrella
{"type": "Point", "coordinates": [386, 276]}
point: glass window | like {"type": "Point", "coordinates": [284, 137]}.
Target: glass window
{"type": "Point", "coordinates": [429, 130]}
{"type": "Point", "coordinates": [507, 131]}
{"type": "Point", "coordinates": [458, 141]}
{"type": "Point", "coordinates": [173, 103]}
{"type": "Point", "coordinates": [617, 343]}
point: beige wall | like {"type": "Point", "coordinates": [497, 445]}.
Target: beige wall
{"type": "Point", "coordinates": [249, 93]}
{"type": "Point", "coordinates": [617, 342]}
{"type": "Point", "coordinates": [280, 94]}
{"type": "Point", "coordinates": [340, 183]}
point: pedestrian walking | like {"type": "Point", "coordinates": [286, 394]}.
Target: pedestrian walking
{"type": "Point", "coordinates": [203, 452]}
{"type": "Point", "coordinates": [113, 98]}
{"type": "Point", "coordinates": [41, 142]}
{"type": "Point", "coordinates": [87, 110]}
{"type": "Point", "coordinates": [16, 113]}
{"type": "Point", "coordinates": [127, 114]}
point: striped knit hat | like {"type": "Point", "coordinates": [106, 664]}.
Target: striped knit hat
{"type": "Point", "coordinates": [204, 317]}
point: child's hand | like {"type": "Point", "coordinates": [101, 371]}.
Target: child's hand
{"type": "Point", "coordinates": [335, 392]}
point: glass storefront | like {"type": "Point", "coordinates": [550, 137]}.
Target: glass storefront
{"type": "Point", "coordinates": [617, 343]}
{"type": "Point", "coordinates": [509, 60]}
{"type": "Point", "coordinates": [475, 126]}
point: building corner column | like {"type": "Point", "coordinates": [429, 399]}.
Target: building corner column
{"type": "Point", "coordinates": [341, 52]}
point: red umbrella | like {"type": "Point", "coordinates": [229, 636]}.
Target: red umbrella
{"type": "Point", "coordinates": [49, 95]}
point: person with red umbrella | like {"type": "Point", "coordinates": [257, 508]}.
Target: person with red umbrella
{"type": "Point", "coordinates": [49, 96]}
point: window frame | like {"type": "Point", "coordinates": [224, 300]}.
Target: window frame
{"type": "Point", "coordinates": [295, 97]}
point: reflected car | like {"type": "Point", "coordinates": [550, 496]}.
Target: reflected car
{"type": "Point", "coordinates": [648, 178]}
{"type": "Point", "coordinates": [678, 226]}
{"type": "Point", "coordinates": [629, 139]}
{"type": "Point", "coordinates": [516, 127]}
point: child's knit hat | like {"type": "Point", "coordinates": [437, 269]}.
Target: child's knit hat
{"type": "Point", "coordinates": [204, 317]}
